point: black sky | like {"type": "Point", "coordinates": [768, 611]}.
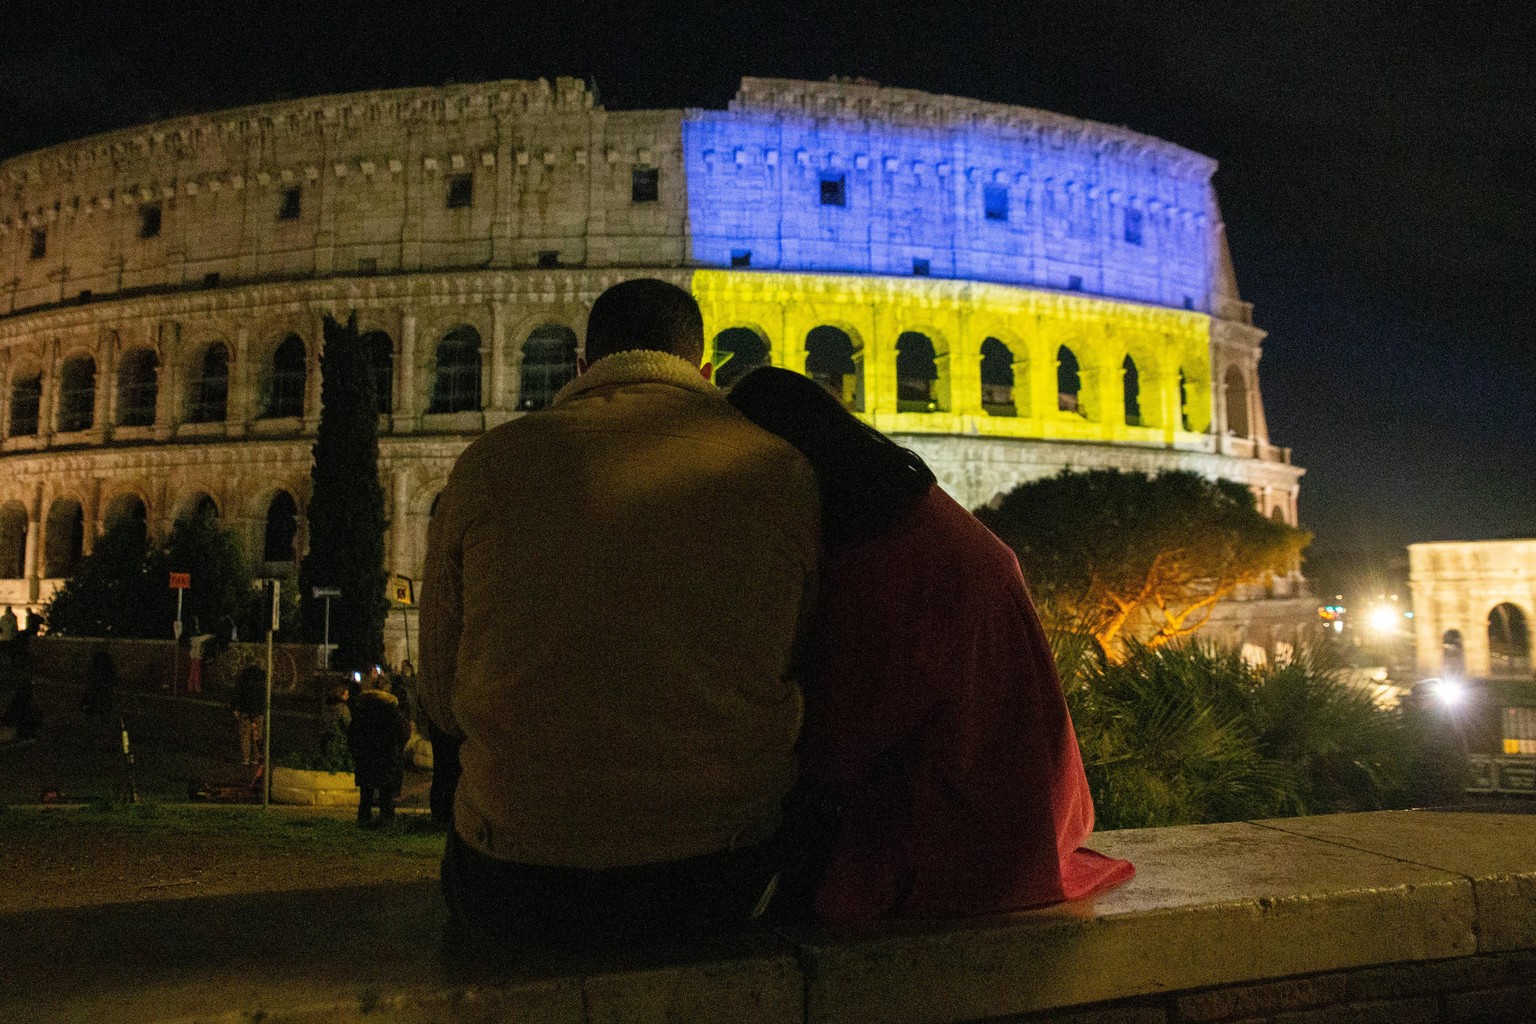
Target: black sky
{"type": "Point", "coordinates": [1376, 167]}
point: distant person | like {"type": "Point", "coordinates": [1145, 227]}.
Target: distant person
{"type": "Point", "coordinates": [614, 587]}
{"type": "Point", "coordinates": [8, 626]}
{"type": "Point", "coordinates": [100, 699]}
{"type": "Point", "coordinates": [249, 706]}
{"type": "Point", "coordinates": [376, 737]}
{"type": "Point", "coordinates": [200, 650]}
{"type": "Point", "coordinates": [935, 720]}
{"type": "Point", "coordinates": [20, 722]}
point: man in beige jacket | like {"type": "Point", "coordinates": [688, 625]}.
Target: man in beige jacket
{"type": "Point", "coordinates": [613, 594]}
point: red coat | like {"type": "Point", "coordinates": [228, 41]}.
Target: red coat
{"type": "Point", "coordinates": [937, 721]}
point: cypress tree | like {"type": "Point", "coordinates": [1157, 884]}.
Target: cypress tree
{"type": "Point", "coordinates": [346, 506]}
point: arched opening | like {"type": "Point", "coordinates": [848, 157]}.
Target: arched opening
{"type": "Point", "coordinates": [1130, 379]}
{"type": "Point", "coordinates": [917, 373]}
{"type": "Point", "coordinates": [1237, 403]}
{"type": "Point", "coordinates": [13, 541]}
{"type": "Point", "coordinates": [1453, 654]}
{"type": "Point", "coordinates": [125, 506]}
{"type": "Point", "coordinates": [199, 505]}
{"type": "Point", "coordinates": [26, 400]}
{"type": "Point", "coordinates": [549, 364]}
{"type": "Point", "coordinates": [830, 360]}
{"type": "Point", "coordinates": [1278, 514]}
{"type": "Point", "coordinates": [381, 354]}
{"type": "Point", "coordinates": [77, 394]}
{"type": "Point", "coordinates": [737, 351]}
{"type": "Point", "coordinates": [64, 538]}
{"type": "Point", "coordinates": [1069, 382]}
{"type": "Point", "coordinates": [456, 383]}
{"type": "Point", "coordinates": [1509, 641]}
{"type": "Point", "coordinates": [1183, 401]}
{"type": "Point", "coordinates": [997, 383]}
{"type": "Point", "coordinates": [210, 392]}
{"type": "Point", "coordinates": [285, 391]}
{"type": "Point", "coordinates": [137, 388]}
{"type": "Point", "coordinates": [282, 529]}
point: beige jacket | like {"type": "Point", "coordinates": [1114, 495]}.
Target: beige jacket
{"type": "Point", "coordinates": [613, 590]}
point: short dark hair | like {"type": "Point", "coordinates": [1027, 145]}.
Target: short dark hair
{"type": "Point", "coordinates": [867, 482]}
{"type": "Point", "coordinates": [645, 314]}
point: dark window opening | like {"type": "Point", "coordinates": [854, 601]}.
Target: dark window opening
{"type": "Point", "coordinates": [737, 351]}
{"type": "Point", "coordinates": [282, 529]}
{"type": "Point", "coordinates": [741, 257]}
{"type": "Point", "coordinates": [381, 350]}
{"type": "Point", "coordinates": [644, 185]}
{"type": "Point", "coordinates": [1131, 380]}
{"type": "Point", "coordinates": [285, 396]}
{"type": "Point", "coordinates": [39, 243]}
{"type": "Point", "coordinates": [211, 397]}
{"type": "Point", "coordinates": [456, 384]}
{"type": "Point", "coordinates": [1189, 302]}
{"type": "Point", "coordinates": [26, 400]}
{"type": "Point", "coordinates": [85, 295]}
{"type": "Point", "coordinates": [13, 541]}
{"type": "Point", "coordinates": [1132, 226]}
{"type": "Point", "coordinates": [921, 268]}
{"type": "Point", "coordinates": [917, 369]}
{"type": "Point", "coordinates": [211, 280]}
{"type": "Point", "coordinates": [1075, 283]}
{"type": "Point", "coordinates": [1237, 403]}
{"type": "Point", "coordinates": [995, 202]}
{"type": "Point", "coordinates": [77, 394]}
{"type": "Point", "coordinates": [834, 190]}
{"type": "Point", "coordinates": [149, 221]}
{"type": "Point", "coordinates": [63, 539]}
{"type": "Point", "coordinates": [292, 198]}
{"type": "Point", "coordinates": [829, 361]}
{"type": "Point", "coordinates": [549, 364]}
{"type": "Point", "coordinates": [461, 191]}
{"type": "Point", "coordinates": [1453, 654]}
{"type": "Point", "coordinates": [137, 388]}
{"type": "Point", "coordinates": [549, 258]}
{"type": "Point", "coordinates": [368, 265]}
{"type": "Point", "coordinates": [997, 378]}
{"type": "Point", "coordinates": [1069, 382]}
{"type": "Point", "coordinates": [1183, 401]}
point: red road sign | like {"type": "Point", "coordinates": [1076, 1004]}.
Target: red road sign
{"type": "Point", "coordinates": [181, 581]}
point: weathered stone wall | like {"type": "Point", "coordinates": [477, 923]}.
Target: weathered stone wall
{"type": "Point", "coordinates": [1456, 585]}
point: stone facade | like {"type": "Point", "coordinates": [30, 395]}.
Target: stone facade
{"type": "Point", "coordinates": [967, 276]}
{"type": "Point", "coordinates": [1473, 603]}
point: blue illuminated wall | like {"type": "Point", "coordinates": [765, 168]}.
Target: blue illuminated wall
{"type": "Point", "coordinates": [1089, 209]}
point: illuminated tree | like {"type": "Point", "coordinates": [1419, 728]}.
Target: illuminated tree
{"type": "Point", "coordinates": [346, 506]}
{"type": "Point", "coordinates": [1110, 553]}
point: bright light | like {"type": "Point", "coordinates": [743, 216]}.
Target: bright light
{"type": "Point", "coordinates": [1450, 691]}
{"type": "Point", "coordinates": [1383, 619]}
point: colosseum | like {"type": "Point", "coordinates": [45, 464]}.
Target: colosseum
{"type": "Point", "coordinates": [1008, 291]}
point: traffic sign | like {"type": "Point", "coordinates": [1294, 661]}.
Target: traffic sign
{"type": "Point", "coordinates": [181, 581]}
{"type": "Point", "coordinates": [402, 590]}
{"type": "Point", "coordinates": [326, 592]}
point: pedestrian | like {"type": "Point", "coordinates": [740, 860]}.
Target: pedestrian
{"type": "Point", "coordinates": [8, 626]}
{"type": "Point", "coordinates": [376, 737]}
{"type": "Point", "coordinates": [249, 706]}
{"type": "Point", "coordinates": [613, 595]}
{"type": "Point", "coordinates": [200, 649]}
{"type": "Point", "coordinates": [936, 724]}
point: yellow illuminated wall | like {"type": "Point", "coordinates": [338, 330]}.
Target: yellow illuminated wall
{"type": "Point", "coordinates": [958, 316]}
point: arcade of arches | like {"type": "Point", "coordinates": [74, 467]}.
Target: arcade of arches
{"type": "Point", "coordinates": [180, 409]}
{"type": "Point", "coordinates": [1473, 604]}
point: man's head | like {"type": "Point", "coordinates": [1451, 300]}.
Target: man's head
{"type": "Point", "coordinates": [645, 314]}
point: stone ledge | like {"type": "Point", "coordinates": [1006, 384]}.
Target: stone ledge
{"type": "Point", "coordinates": [1332, 915]}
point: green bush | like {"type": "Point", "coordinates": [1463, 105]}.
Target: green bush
{"type": "Point", "coordinates": [334, 755]}
{"type": "Point", "coordinates": [1191, 733]}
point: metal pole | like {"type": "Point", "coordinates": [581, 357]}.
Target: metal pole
{"type": "Point", "coordinates": [176, 647]}
{"type": "Point", "coordinates": [406, 614]}
{"type": "Point", "coordinates": [266, 721]}
{"type": "Point", "coordinates": [327, 647]}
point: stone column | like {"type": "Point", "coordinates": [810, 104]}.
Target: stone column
{"type": "Point", "coordinates": [963, 370]}
{"type": "Point", "coordinates": [32, 567]}
{"type": "Point", "coordinates": [238, 408]}
{"type": "Point", "coordinates": [48, 402]}
{"type": "Point", "coordinates": [405, 375]}
{"type": "Point", "coordinates": [311, 419]}
{"type": "Point", "coordinates": [90, 517]}
{"type": "Point", "coordinates": [168, 347]}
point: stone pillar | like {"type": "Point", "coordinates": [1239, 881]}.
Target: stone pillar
{"type": "Point", "coordinates": [103, 407]}
{"type": "Point", "coordinates": [32, 567]}
{"type": "Point", "coordinates": [168, 349]}
{"type": "Point", "coordinates": [90, 517]}
{"type": "Point", "coordinates": [311, 419]}
{"type": "Point", "coordinates": [238, 408]}
{"type": "Point", "coordinates": [401, 523]}
{"type": "Point", "coordinates": [405, 375]}
{"type": "Point", "coordinates": [963, 370]}
{"type": "Point", "coordinates": [48, 402]}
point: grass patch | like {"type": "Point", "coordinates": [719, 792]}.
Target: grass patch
{"type": "Point", "coordinates": [281, 829]}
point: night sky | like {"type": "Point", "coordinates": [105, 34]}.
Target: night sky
{"type": "Point", "coordinates": [1376, 168]}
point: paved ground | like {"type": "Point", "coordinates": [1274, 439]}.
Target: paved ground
{"type": "Point", "coordinates": [179, 744]}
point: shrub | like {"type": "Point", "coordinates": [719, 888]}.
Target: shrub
{"type": "Point", "coordinates": [1190, 733]}
{"type": "Point", "coordinates": [334, 755]}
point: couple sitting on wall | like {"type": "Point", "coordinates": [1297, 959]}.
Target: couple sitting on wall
{"type": "Point", "coordinates": [714, 656]}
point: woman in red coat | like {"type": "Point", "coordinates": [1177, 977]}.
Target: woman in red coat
{"type": "Point", "coordinates": [935, 720]}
